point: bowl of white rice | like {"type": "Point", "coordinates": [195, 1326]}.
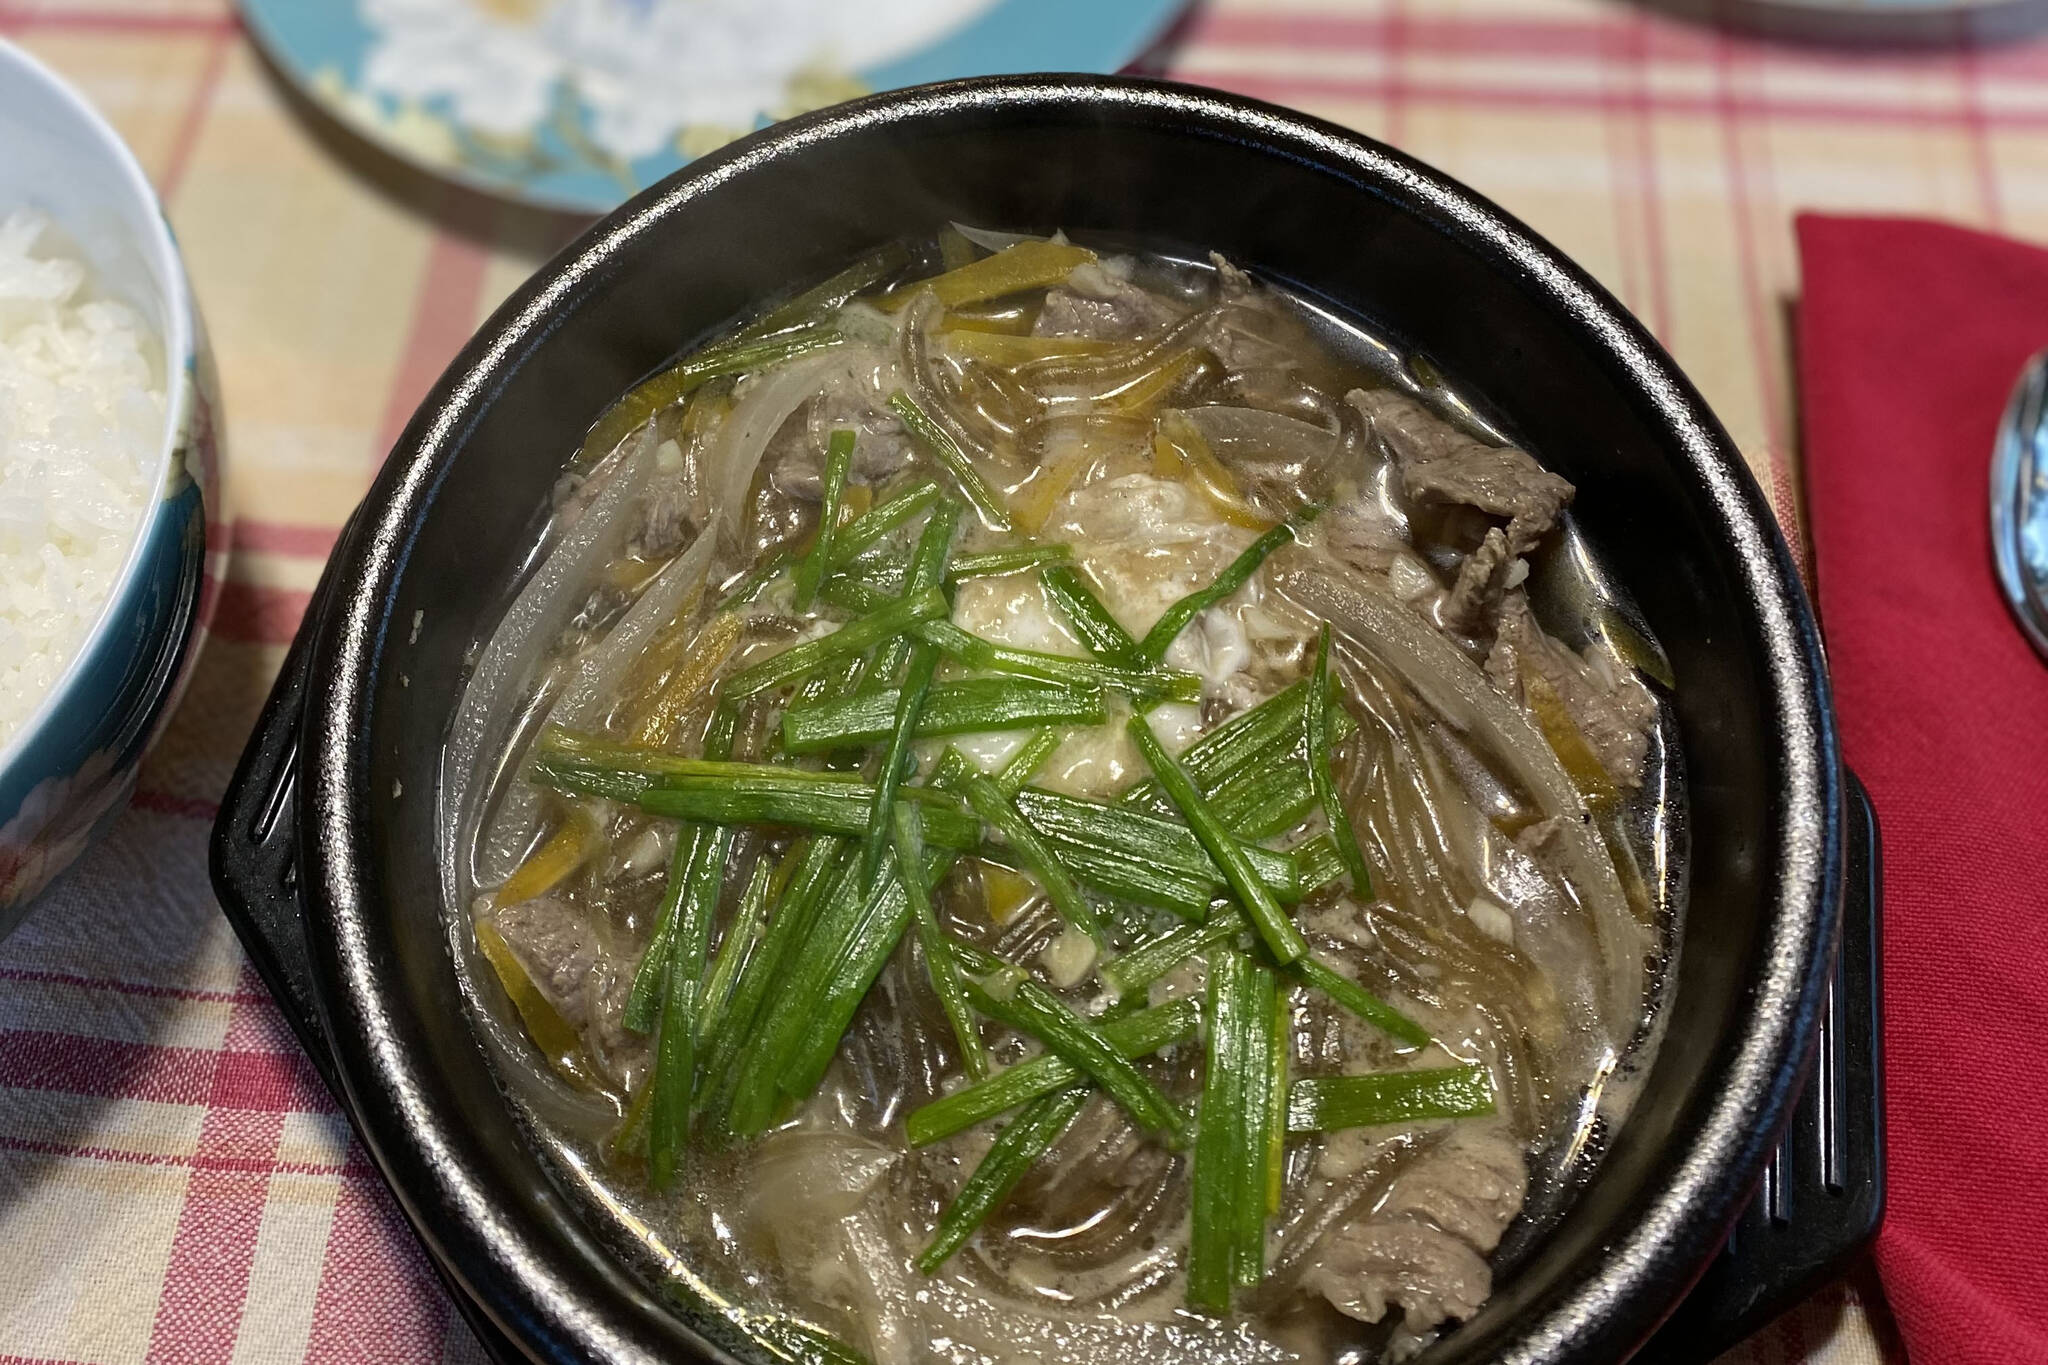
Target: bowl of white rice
{"type": "Point", "coordinates": [107, 460]}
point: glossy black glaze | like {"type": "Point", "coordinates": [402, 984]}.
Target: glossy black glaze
{"type": "Point", "coordinates": [1664, 498]}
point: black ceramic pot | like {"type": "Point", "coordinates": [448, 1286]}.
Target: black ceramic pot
{"type": "Point", "coordinates": [327, 850]}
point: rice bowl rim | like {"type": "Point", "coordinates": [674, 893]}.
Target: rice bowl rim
{"type": "Point", "coordinates": [20, 71]}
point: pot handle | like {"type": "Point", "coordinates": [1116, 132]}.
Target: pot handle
{"type": "Point", "coordinates": [254, 854]}
{"type": "Point", "coordinates": [1821, 1198]}
{"type": "Point", "coordinates": [254, 864]}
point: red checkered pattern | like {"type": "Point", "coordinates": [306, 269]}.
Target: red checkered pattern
{"type": "Point", "coordinates": [174, 1184]}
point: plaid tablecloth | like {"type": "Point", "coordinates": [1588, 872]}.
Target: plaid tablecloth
{"type": "Point", "coordinates": [174, 1185]}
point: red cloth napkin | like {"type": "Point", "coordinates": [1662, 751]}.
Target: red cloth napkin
{"type": "Point", "coordinates": [1910, 336]}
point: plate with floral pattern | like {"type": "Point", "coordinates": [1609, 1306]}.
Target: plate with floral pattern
{"type": "Point", "coordinates": [577, 104]}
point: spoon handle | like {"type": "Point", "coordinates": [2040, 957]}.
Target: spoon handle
{"type": "Point", "coordinates": [2019, 502]}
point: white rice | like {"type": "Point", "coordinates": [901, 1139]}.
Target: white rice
{"type": "Point", "coordinates": [81, 425]}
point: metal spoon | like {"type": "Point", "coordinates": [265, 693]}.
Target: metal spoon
{"type": "Point", "coordinates": [2019, 502]}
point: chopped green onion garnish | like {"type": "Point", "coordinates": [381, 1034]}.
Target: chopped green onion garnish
{"type": "Point", "coordinates": [1098, 630]}
{"type": "Point", "coordinates": [1140, 857]}
{"type": "Point", "coordinates": [793, 1011]}
{"type": "Point", "coordinates": [1025, 763]}
{"type": "Point", "coordinates": [973, 706]}
{"type": "Point", "coordinates": [1168, 628]}
{"type": "Point", "coordinates": [675, 1069]}
{"type": "Point", "coordinates": [1321, 1104]}
{"type": "Point", "coordinates": [927, 571]}
{"type": "Point", "coordinates": [1155, 957]}
{"type": "Point", "coordinates": [752, 794]}
{"type": "Point", "coordinates": [828, 296]}
{"type": "Point", "coordinates": [643, 1003]}
{"type": "Point", "coordinates": [884, 916]}
{"type": "Point", "coordinates": [991, 563]}
{"type": "Point", "coordinates": [1014, 999]}
{"type": "Point", "coordinates": [1000, 812]}
{"type": "Point", "coordinates": [818, 865]}
{"type": "Point", "coordinates": [939, 959]}
{"type": "Point", "coordinates": [1132, 1035]}
{"type": "Point", "coordinates": [1279, 1043]}
{"type": "Point", "coordinates": [1263, 1118]}
{"type": "Point", "coordinates": [1252, 767]}
{"type": "Point", "coordinates": [1153, 684]}
{"type": "Point", "coordinates": [1023, 1140]}
{"type": "Point", "coordinates": [1362, 1003]}
{"type": "Point", "coordinates": [811, 571]}
{"type": "Point", "coordinates": [855, 637]}
{"type": "Point", "coordinates": [737, 356]}
{"type": "Point", "coordinates": [740, 937]}
{"type": "Point", "coordinates": [1221, 1158]}
{"type": "Point", "coordinates": [917, 682]}
{"type": "Point", "coordinates": [1282, 938]}
{"type": "Point", "coordinates": [879, 520]}
{"type": "Point", "coordinates": [1323, 779]}
{"type": "Point", "coordinates": [934, 438]}
{"type": "Point", "coordinates": [983, 564]}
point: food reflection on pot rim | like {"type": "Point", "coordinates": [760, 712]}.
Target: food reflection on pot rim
{"type": "Point", "coordinates": [1039, 798]}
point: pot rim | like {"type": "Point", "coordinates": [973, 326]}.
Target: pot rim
{"type": "Point", "coordinates": [535, 1276]}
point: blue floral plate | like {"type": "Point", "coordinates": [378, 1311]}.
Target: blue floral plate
{"type": "Point", "coordinates": [577, 104]}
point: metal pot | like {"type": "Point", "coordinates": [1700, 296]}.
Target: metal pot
{"type": "Point", "coordinates": [327, 848]}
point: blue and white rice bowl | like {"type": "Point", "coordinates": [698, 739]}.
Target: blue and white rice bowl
{"type": "Point", "coordinates": [68, 769]}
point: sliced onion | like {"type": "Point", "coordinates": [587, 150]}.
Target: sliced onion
{"type": "Point", "coordinates": [1448, 681]}
{"type": "Point", "coordinates": [989, 239]}
{"type": "Point", "coordinates": [490, 701]}
{"type": "Point", "coordinates": [1259, 437]}
{"type": "Point", "coordinates": [764, 405]}
{"type": "Point", "coordinates": [1282, 458]}
{"type": "Point", "coordinates": [595, 683]}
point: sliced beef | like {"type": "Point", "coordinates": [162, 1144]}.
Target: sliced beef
{"type": "Point", "coordinates": [881, 447]}
{"type": "Point", "coordinates": [1096, 304]}
{"type": "Point", "coordinates": [560, 950]}
{"type": "Point", "coordinates": [1441, 464]}
{"type": "Point", "coordinates": [1365, 1268]}
{"type": "Point", "coordinates": [671, 523]}
{"type": "Point", "coordinates": [1610, 706]}
{"type": "Point", "coordinates": [1471, 1186]}
{"type": "Point", "coordinates": [1421, 1249]}
{"type": "Point", "coordinates": [588, 986]}
{"type": "Point", "coordinates": [1360, 534]}
{"type": "Point", "coordinates": [1482, 581]}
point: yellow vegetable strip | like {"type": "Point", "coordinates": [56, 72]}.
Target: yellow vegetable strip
{"type": "Point", "coordinates": [548, 866]}
{"type": "Point", "coordinates": [1142, 392]}
{"type": "Point", "coordinates": [688, 683]}
{"type": "Point", "coordinates": [1581, 764]}
{"type": "Point", "coordinates": [1006, 352]}
{"type": "Point", "coordinates": [556, 1038]}
{"type": "Point", "coordinates": [1179, 451]}
{"type": "Point", "coordinates": [1014, 269]}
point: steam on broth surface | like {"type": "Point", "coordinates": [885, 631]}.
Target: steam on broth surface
{"type": "Point", "coordinates": [1050, 804]}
